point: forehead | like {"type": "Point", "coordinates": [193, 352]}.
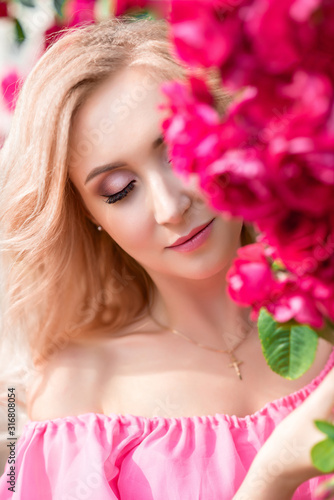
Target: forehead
{"type": "Point", "coordinates": [122, 108]}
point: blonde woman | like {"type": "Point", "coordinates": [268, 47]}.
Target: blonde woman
{"type": "Point", "coordinates": [144, 380]}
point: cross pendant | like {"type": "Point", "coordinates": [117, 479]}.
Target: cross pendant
{"type": "Point", "coordinates": [235, 363]}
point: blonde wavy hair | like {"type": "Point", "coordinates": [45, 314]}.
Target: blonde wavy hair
{"type": "Point", "coordinates": [60, 275]}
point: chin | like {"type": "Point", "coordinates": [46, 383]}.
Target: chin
{"type": "Point", "coordinates": [207, 268]}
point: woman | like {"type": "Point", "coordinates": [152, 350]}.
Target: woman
{"type": "Point", "coordinates": [116, 278]}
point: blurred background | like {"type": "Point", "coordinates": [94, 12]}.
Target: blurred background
{"type": "Point", "coordinates": [27, 28]}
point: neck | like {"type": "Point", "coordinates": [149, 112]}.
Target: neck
{"type": "Point", "coordinates": [201, 309]}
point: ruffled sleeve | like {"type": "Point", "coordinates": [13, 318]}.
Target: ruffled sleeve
{"type": "Point", "coordinates": [69, 459]}
{"type": "Point", "coordinates": [126, 457]}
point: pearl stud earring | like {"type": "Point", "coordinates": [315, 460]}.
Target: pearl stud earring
{"type": "Point", "coordinates": [99, 228]}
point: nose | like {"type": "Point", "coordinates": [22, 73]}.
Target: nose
{"type": "Point", "coordinates": [170, 199]}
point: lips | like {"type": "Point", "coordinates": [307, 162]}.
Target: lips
{"type": "Point", "coordinates": [190, 235]}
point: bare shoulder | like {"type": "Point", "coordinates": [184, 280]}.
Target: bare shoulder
{"type": "Point", "coordinates": [66, 383]}
{"type": "Point", "coordinates": [73, 380]}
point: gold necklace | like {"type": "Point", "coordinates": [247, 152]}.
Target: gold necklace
{"type": "Point", "coordinates": [234, 361]}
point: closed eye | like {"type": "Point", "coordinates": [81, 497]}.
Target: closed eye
{"type": "Point", "coordinates": [113, 198]}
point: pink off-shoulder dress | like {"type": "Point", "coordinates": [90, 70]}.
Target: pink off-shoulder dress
{"type": "Point", "coordinates": [107, 457]}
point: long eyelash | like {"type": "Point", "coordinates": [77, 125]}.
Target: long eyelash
{"type": "Point", "coordinates": [113, 198]}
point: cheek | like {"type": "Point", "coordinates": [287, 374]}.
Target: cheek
{"type": "Point", "coordinates": [231, 227]}
{"type": "Point", "coordinates": [232, 233]}
{"type": "Point", "coordinates": [131, 232]}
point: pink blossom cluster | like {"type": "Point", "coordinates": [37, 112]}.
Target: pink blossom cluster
{"type": "Point", "coordinates": [3, 9]}
{"type": "Point", "coordinates": [9, 88]}
{"type": "Point", "coordinates": [254, 281]}
{"type": "Point", "coordinates": [75, 13]}
{"type": "Point", "coordinates": [270, 158]}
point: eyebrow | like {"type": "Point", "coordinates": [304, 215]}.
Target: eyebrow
{"type": "Point", "coordinates": [116, 164]}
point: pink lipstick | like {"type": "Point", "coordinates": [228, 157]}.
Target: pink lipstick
{"type": "Point", "coordinates": [197, 237]}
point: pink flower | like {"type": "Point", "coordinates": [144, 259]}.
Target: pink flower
{"type": "Point", "coordinates": [199, 35]}
{"type": "Point", "coordinates": [270, 159]}
{"type": "Point", "coordinates": [79, 12]}
{"type": "Point", "coordinates": [325, 490]}
{"type": "Point", "coordinates": [322, 294]}
{"type": "Point", "coordinates": [301, 242]}
{"type": "Point", "coordinates": [238, 183]}
{"type": "Point", "coordinates": [3, 9]}
{"type": "Point", "coordinates": [294, 303]}
{"type": "Point", "coordinates": [193, 127]}
{"type": "Point", "coordinates": [300, 169]}
{"type": "Point", "coordinates": [310, 95]}
{"type": "Point", "coordinates": [250, 279]}
{"type": "Point", "coordinates": [9, 87]}
{"type": "Point", "coordinates": [279, 37]}
{"type": "Point", "coordinates": [76, 13]}
{"type": "Point", "coordinates": [52, 34]}
{"type": "Point", "coordinates": [200, 141]}
{"type": "Point", "coordinates": [300, 152]}
{"type": "Point", "coordinates": [252, 282]}
{"type": "Point", "coordinates": [281, 34]}
{"type": "Point", "coordinates": [123, 5]}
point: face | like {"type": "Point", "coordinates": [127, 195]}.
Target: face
{"type": "Point", "coordinates": [135, 196]}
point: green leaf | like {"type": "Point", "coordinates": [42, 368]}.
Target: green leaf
{"type": "Point", "coordinates": [325, 427]}
{"type": "Point", "coordinates": [145, 14]}
{"type": "Point", "coordinates": [137, 12]}
{"type": "Point", "coordinates": [288, 348]}
{"type": "Point", "coordinates": [19, 32]}
{"type": "Point", "coordinates": [322, 455]}
{"type": "Point", "coordinates": [58, 5]}
{"type": "Point", "coordinates": [28, 3]}
{"type": "Point", "coordinates": [278, 265]}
